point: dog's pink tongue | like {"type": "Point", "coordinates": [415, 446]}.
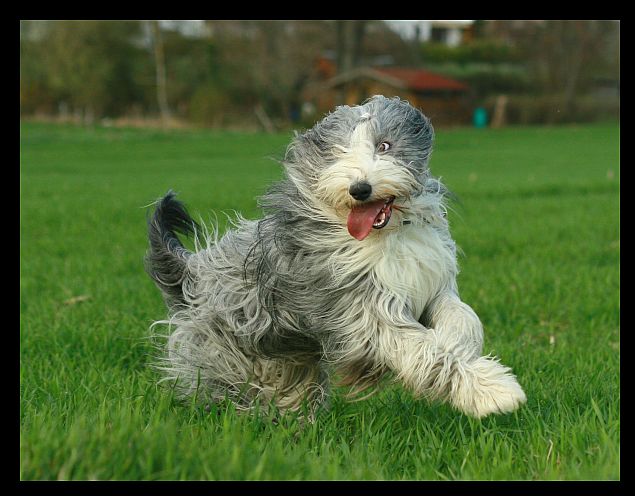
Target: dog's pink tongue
{"type": "Point", "coordinates": [362, 217]}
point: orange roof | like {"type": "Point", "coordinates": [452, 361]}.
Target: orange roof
{"type": "Point", "coordinates": [420, 80]}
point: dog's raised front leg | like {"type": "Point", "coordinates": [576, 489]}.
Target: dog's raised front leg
{"type": "Point", "coordinates": [459, 327]}
{"type": "Point", "coordinates": [480, 385]}
{"type": "Point", "coordinates": [431, 365]}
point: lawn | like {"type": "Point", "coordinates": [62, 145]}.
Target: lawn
{"type": "Point", "coordinates": [538, 224]}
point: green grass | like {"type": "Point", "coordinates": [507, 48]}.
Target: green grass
{"type": "Point", "coordinates": [539, 226]}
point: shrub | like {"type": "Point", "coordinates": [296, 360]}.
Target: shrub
{"type": "Point", "coordinates": [209, 106]}
{"type": "Point", "coordinates": [553, 109]}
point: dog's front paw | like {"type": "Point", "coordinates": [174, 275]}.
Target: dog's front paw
{"type": "Point", "coordinates": [485, 386]}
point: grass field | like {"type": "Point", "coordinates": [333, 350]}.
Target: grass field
{"type": "Point", "coordinates": [538, 223]}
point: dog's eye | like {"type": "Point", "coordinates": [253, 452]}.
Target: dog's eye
{"type": "Point", "coordinates": [384, 146]}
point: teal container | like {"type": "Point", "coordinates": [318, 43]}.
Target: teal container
{"type": "Point", "coordinates": [480, 117]}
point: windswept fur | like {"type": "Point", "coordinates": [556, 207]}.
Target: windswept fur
{"type": "Point", "coordinates": [269, 311]}
{"type": "Point", "coordinates": [167, 258]}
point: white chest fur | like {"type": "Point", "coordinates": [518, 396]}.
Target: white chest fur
{"type": "Point", "coordinates": [418, 261]}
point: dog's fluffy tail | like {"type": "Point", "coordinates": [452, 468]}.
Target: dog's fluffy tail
{"type": "Point", "coordinates": [166, 260]}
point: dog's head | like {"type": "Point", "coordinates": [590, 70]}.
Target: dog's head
{"type": "Point", "coordinates": [362, 162]}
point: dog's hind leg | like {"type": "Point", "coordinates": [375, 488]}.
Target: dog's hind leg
{"type": "Point", "coordinates": [292, 384]}
{"type": "Point", "coordinates": [204, 363]}
{"type": "Point", "coordinates": [209, 365]}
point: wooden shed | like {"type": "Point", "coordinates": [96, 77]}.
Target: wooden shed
{"type": "Point", "coordinates": [446, 101]}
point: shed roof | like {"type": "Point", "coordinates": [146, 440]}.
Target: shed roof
{"type": "Point", "coordinates": [421, 80]}
{"type": "Point", "coordinates": [401, 77]}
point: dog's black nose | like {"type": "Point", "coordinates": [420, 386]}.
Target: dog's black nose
{"type": "Point", "coordinates": [360, 191]}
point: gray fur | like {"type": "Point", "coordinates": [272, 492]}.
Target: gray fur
{"type": "Point", "coordinates": [270, 311]}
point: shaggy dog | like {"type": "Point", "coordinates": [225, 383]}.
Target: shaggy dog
{"type": "Point", "coordinates": [350, 274]}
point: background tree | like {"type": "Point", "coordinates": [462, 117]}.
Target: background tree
{"type": "Point", "coordinates": [350, 38]}
{"type": "Point", "coordinates": [229, 72]}
{"type": "Point", "coordinates": [88, 66]}
{"type": "Point", "coordinates": [159, 64]}
{"type": "Point", "coordinates": [564, 57]}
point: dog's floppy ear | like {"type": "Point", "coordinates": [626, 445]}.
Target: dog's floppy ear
{"type": "Point", "coordinates": [333, 128]}
{"type": "Point", "coordinates": [312, 138]}
{"type": "Point", "coordinates": [309, 150]}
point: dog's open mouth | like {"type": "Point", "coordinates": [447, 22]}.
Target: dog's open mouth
{"type": "Point", "coordinates": [372, 215]}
